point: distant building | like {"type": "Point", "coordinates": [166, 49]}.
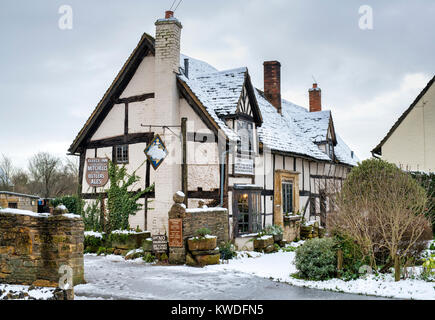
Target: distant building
{"type": "Point", "coordinates": [410, 143]}
{"type": "Point", "coordinates": [18, 201]}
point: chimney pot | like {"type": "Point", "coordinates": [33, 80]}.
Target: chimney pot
{"type": "Point", "coordinates": [315, 95]}
{"type": "Point", "coordinates": [169, 14]}
{"type": "Point", "coordinates": [186, 67]}
{"type": "Point", "coordinates": [272, 83]}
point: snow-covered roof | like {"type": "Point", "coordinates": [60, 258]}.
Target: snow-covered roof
{"type": "Point", "coordinates": [295, 131]}
{"type": "Point", "coordinates": [19, 194]}
{"type": "Point", "coordinates": [196, 67]}
{"type": "Point", "coordinates": [313, 124]}
{"type": "Point", "coordinates": [219, 92]}
{"type": "Point", "coordinates": [281, 134]}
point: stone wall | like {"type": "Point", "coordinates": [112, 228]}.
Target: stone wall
{"type": "Point", "coordinates": [33, 247]}
{"type": "Point", "coordinates": [215, 219]}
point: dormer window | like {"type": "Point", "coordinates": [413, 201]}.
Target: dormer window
{"type": "Point", "coordinates": [329, 149]}
{"type": "Point", "coordinates": [245, 130]}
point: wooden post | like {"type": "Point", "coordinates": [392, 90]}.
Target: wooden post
{"type": "Point", "coordinates": [396, 268]}
{"type": "Point", "coordinates": [184, 164]}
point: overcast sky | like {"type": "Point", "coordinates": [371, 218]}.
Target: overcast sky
{"type": "Point", "coordinates": [52, 79]}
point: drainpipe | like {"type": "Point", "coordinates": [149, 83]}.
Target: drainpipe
{"type": "Point", "coordinates": [223, 155]}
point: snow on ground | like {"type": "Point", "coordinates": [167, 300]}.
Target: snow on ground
{"type": "Point", "coordinates": [111, 277]}
{"type": "Point", "coordinates": [19, 292]}
{"type": "Point", "coordinates": [279, 267]}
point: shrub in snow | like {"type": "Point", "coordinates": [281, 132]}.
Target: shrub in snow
{"type": "Point", "coordinates": [383, 209]}
{"type": "Point", "coordinates": [316, 259]}
{"type": "Point", "coordinates": [427, 181]}
{"type": "Point", "coordinates": [353, 259]}
{"type": "Point", "coordinates": [227, 251]}
{"type": "Point", "coordinates": [92, 243]}
{"type": "Point", "coordinates": [149, 258]}
{"type": "Point", "coordinates": [201, 233]}
{"type": "Point", "coordinates": [121, 203]}
{"type": "Point", "coordinates": [73, 203]}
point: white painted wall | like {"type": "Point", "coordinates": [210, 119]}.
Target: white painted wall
{"type": "Point", "coordinates": [412, 144]}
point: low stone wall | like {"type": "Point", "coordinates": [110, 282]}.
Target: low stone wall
{"type": "Point", "coordinates": [215, 219]}
{"type": "Point", "coordinates": [33, 247]}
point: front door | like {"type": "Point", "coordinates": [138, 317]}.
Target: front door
{"type": "Point", "coordinates": [247, 212]}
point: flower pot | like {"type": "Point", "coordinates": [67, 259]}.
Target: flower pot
{"type": "Point", "coordinates": [200, 244]}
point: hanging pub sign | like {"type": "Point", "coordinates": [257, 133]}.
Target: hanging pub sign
{"type": "Point", "coordinates": [97, 172]}
{"type": "Point", "coordinates": [156, 152]}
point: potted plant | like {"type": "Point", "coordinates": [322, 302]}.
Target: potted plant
{"type": "Point", "coordinates": [276, 231]}
{"type": "Point", "coordinates": [203, 241]}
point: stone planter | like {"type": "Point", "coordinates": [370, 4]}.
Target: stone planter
{"type": "Point", "coordinates": [209, 259]}
{"type": "Point", "coordinates": [261, 244]}
{"type": "Point", "coordinates": [202, 244]}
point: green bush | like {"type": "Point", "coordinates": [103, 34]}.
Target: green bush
{"type": "Point", "coordinates": [91, 216]}
{"type": "Point", "coordinates": [73, 203]}
{"type": "Point", "coordinates": [203, 232]}
{"type": "Point", "coordinates": [427, 181]}
{"type": "Point", "coordinates": [353, 259]}
{"type": "Point", "coordinates": [316, 259]}
{"type": "Point", "coordinates": [149, 258]}
{"type": "Point", "coordinates": [92, 244]}
{"type": "Point", "coordinates": [227, 251]}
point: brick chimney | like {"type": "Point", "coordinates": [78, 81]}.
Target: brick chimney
{"type": "Point", "coordinates": [315, 98]}
{"type": "Point", "coordinates": [272, 83]}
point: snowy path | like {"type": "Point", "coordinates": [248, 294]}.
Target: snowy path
{"type": "Point", "coordinates": [111, 277]}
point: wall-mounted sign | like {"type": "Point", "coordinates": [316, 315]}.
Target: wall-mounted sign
{"type": "Point", "coordinates": [156, 152]}
{"type": "Point", "coordinates": [97, 172]}
{"type": "Point", "coordinates": [176, 233]}
{"type": "Point", "coordinates": [243, 166]}
{"type": "Point", "coordinates": [160, 244]}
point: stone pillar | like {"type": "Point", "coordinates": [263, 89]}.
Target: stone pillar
{"type": "Point", "coordinates": [177, 254]}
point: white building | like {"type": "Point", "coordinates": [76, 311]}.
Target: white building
{"type": "Point", "coordinates": [410, 143]}
{"type": "Point", "coordinates": [276, 156]}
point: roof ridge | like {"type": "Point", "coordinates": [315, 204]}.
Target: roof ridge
{"type": "Point", "coordinates": [202, 75]}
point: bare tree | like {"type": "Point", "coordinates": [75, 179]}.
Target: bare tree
{"type": "Point", "coordinates": [382, 209]}
{"type": "Point", "coordinates": [44, 170]}
{"type": "Point", "coordinates": [20, 181]}
{"type": "Point", "coordinates": [6, 173]}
